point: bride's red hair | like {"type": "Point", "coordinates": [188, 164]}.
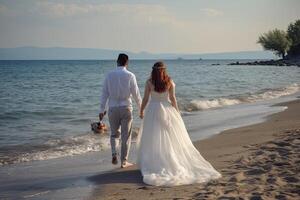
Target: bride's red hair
{"type": "Point", "coordinates": [160, 78]}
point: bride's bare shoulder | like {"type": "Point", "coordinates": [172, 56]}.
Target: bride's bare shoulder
{"type": "Point", "coordinates": [172, 83]}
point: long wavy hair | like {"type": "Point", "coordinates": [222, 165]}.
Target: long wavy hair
{"type": "Point", "coordinates": [160, 78]}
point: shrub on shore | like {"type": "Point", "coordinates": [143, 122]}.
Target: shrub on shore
{"type": "Point", "coordinates": [282, 42]}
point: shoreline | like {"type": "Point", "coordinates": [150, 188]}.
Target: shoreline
{"type": "Point", "coordinates": [223, 151]}
{"type": "Point", "coordinates": [79, 177]}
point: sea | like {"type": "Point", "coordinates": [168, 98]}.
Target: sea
{"type": "Point", "coordinates": [47, 106]}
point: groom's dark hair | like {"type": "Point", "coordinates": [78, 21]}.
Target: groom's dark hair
{"type": "Point", "coordinates": [122, 59]}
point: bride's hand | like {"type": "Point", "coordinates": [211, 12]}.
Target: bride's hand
{"type": "Point", "coordinates": [141, 115]}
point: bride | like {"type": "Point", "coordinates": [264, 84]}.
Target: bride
{"type": "Point", "coordinates": [166, 155]}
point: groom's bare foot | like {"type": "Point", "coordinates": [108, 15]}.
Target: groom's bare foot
{"type": "Point", "coordinates": [126, 164]}
{"type": "Point", "coordinates": [114, 159]}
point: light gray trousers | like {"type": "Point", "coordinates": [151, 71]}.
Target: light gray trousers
{"type": "Point", "coordinates": [120, 117]}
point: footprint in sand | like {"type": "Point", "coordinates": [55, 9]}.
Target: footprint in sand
{"type": "Point", "coordinates": [255, 171]}
{"type": "Point", "coordinates": [291, 179]}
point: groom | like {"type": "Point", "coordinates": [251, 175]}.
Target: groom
{"type": "Point", "coordinates": [118, 88]}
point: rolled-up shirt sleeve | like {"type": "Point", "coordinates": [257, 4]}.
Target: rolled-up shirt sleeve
{"type": "Point", "coordinates": [104, 96]}
{"type": "Point", "coordinates": [135, 92]}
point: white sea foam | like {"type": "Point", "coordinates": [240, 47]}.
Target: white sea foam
{"type": "Point", "coordinates": [275, 93]}
{"type": "Point", "coordinates": [214, 103]}
{"type": "Point", "coordinates": [265, 94]}
{"type": "Point", "coordinates": [69, 146]}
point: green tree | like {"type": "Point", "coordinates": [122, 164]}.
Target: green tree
{"type": "Point", "coordinates": [293, 33]}
{"type": "Point", "coordinates": [275, 40]}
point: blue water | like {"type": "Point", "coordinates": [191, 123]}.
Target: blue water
{"type": "Point", "coordinates": [46, 107]}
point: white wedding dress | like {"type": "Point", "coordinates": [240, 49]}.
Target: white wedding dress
{"type": "Point", "coordinates": [166, 154]}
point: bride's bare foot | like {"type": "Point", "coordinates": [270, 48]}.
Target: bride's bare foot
{"type": "Point", "coordinates": [114, 159]}
{"type": "Point", "coordinates": [126, 164]}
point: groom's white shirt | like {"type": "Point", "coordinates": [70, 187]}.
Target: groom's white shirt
{"type": "Point", "coordinates": [118, 88]}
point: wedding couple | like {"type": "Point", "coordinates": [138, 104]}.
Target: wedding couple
{"type": "Point", "coordinates": [166, 155]}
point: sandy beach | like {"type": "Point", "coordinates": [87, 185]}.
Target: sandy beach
{"type": "Point", "coordinates": [259, 161]}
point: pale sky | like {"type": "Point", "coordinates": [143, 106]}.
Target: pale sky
{"type": "Point", "coordinates": [175, 26]}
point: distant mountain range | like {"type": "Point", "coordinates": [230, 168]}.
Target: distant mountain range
{"type": "Point", "coordinates": [60, 53]}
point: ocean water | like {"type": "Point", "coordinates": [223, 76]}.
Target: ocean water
{"type": "Point", "coordinates": [46, 107]}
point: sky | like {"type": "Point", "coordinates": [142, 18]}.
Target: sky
{"type": "Point", "coordinates": [175, 26]}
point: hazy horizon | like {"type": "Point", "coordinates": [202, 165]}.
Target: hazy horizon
{"type": "Point", "coordinates": [126, 50]}
{"type": "Point", "coordinates": [60, 53]}
{"type": "Point", "coordinates": [196, 27]}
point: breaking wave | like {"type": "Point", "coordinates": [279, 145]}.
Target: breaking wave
{"type": "Point", "coordinates": [54, 148]}
{"type": "Point", "coordinates": [265, 94]}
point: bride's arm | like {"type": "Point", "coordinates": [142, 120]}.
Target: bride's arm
{"type": "Point", "coordinates": [172, 96]}
{"type": "Point", "coordinates": [145, 99]}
